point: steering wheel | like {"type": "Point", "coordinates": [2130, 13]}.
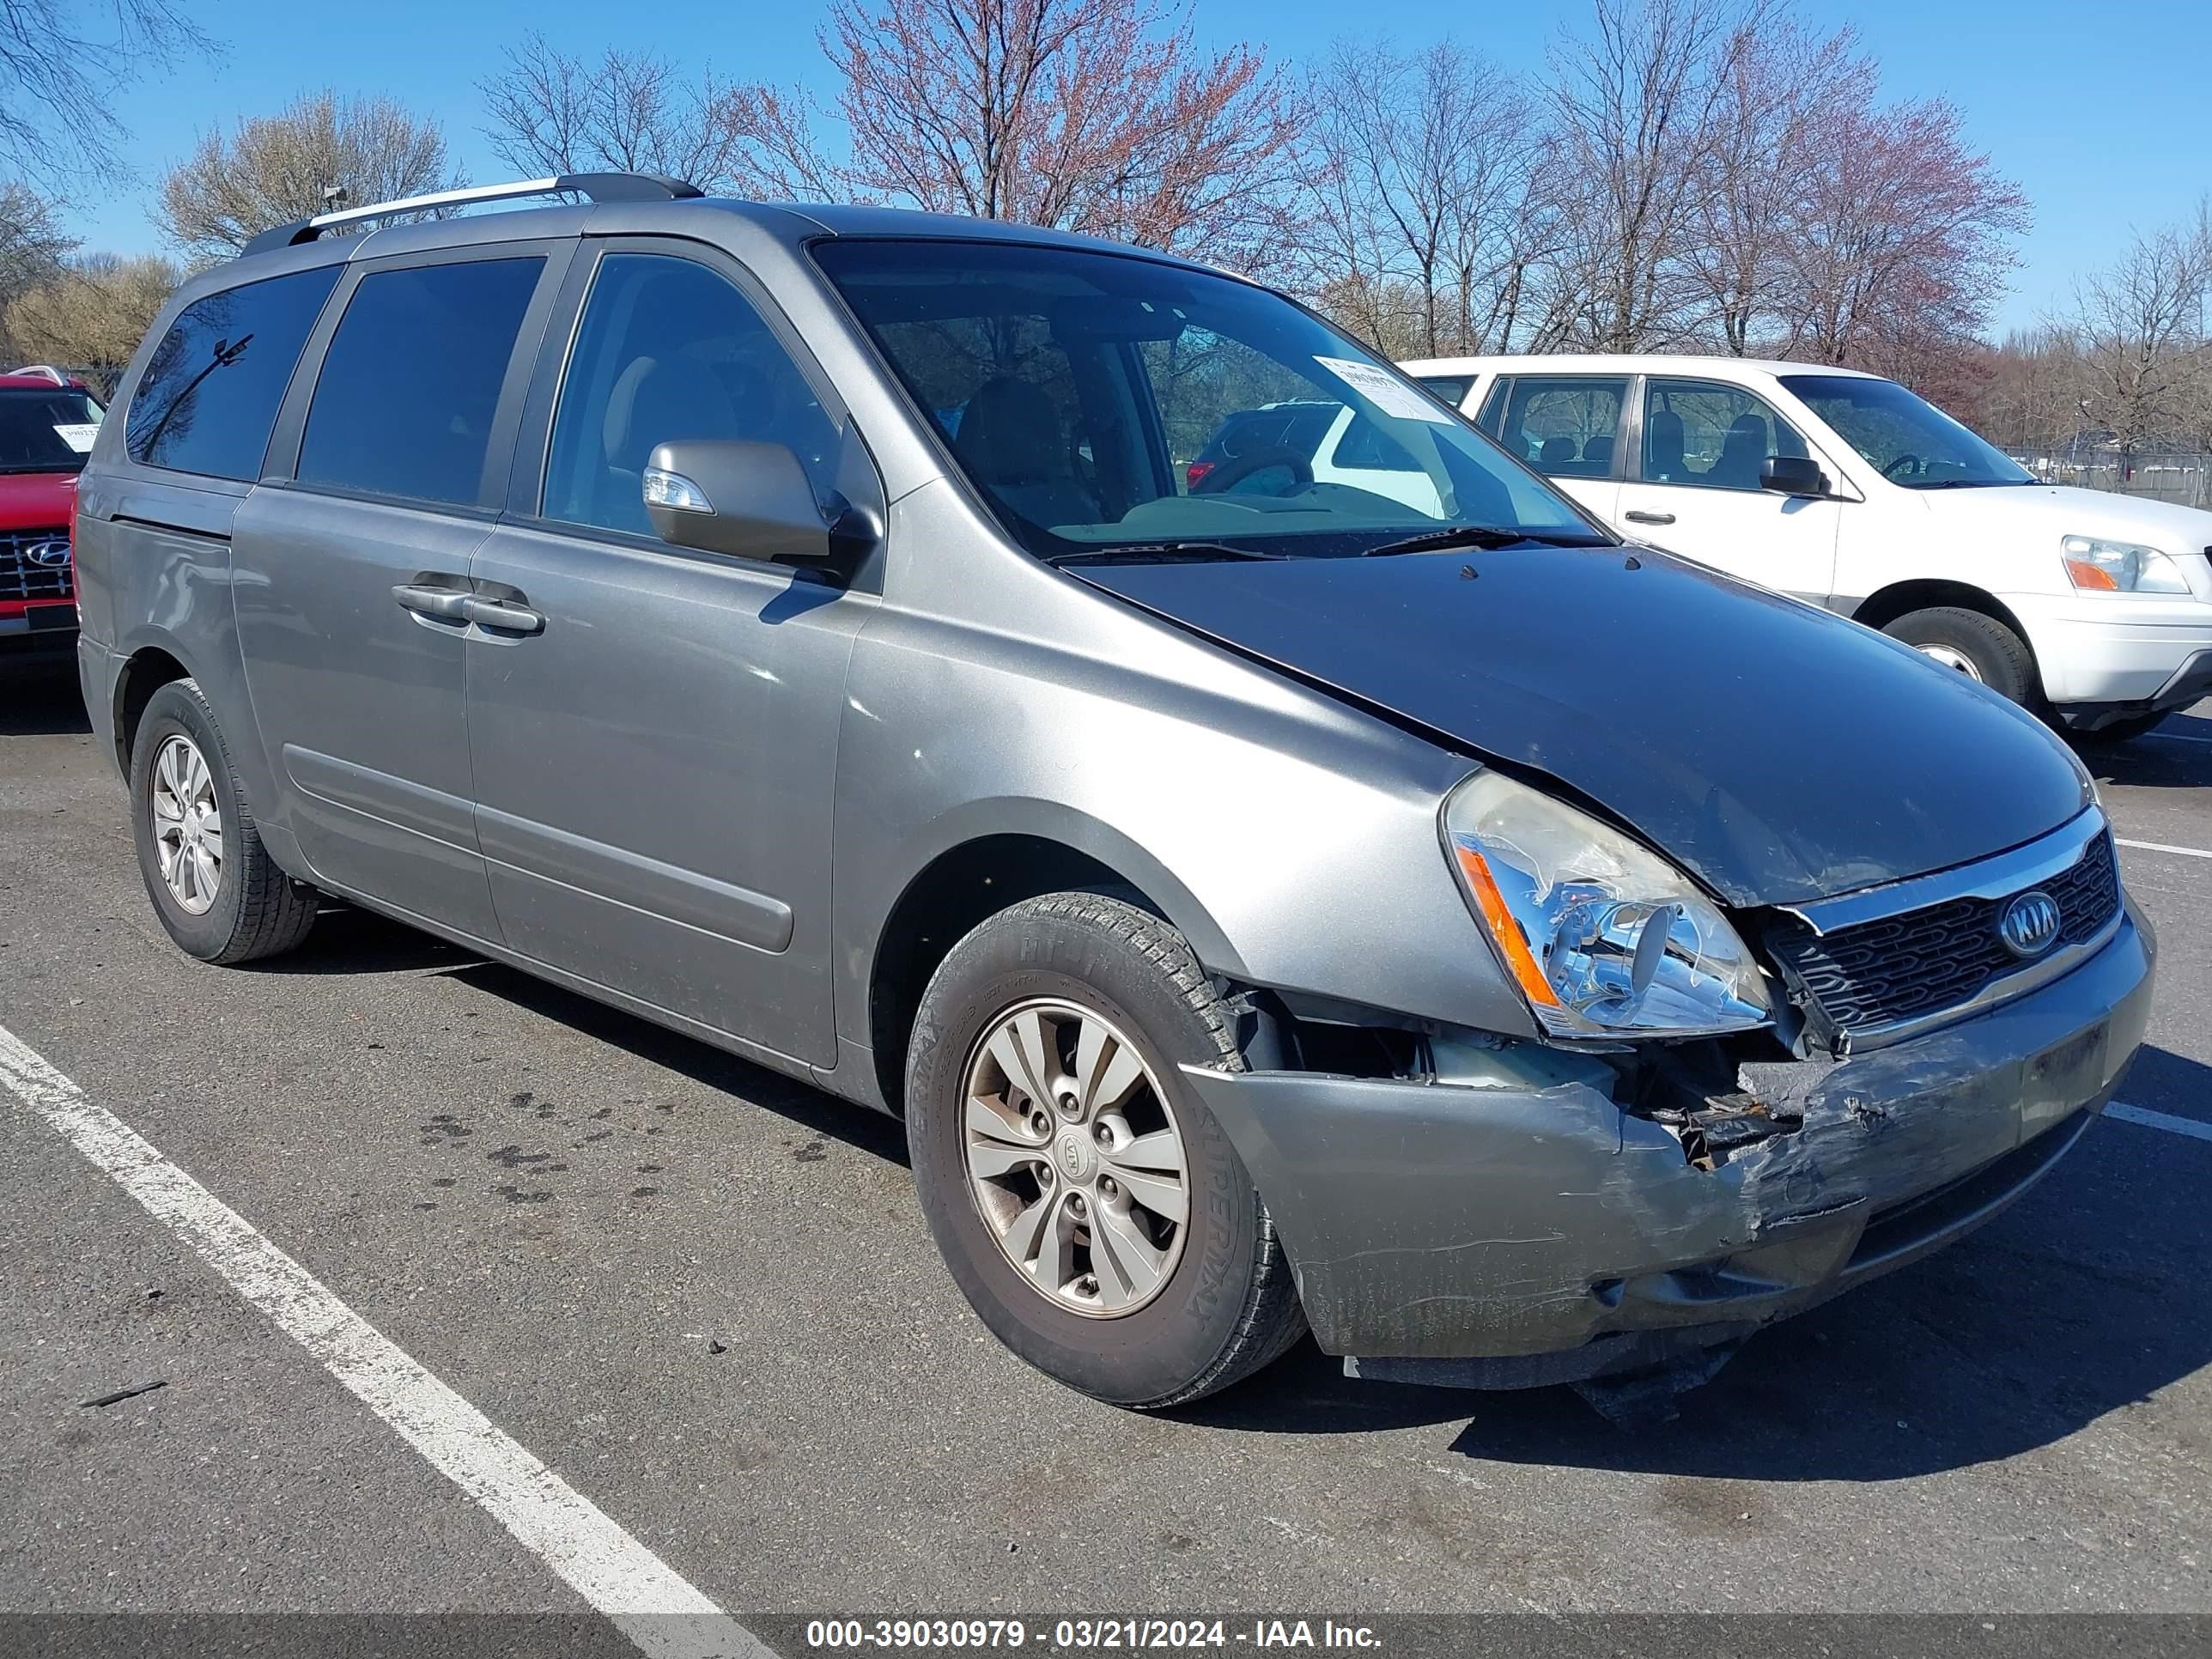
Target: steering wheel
{"type": "Point", "coordinates": [1237, 468]}
{"type": "Point", "coordinates": [1918, 465]}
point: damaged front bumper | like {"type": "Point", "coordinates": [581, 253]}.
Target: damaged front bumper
{"type": "Point", "coordinates": [1517, 1238]}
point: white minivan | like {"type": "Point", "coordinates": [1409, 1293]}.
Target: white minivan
{"type": "Point", "coordinates": [1849, 491]}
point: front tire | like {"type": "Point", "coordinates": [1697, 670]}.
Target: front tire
{"type": "Point", "coordinates": [1974, 645]}
{"type": "Point", "coordinates": [1088, 1205]}
{"type": "Point", "coordinates": [218, 893]}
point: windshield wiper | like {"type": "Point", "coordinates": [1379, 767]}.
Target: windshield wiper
{"type": "Point", "coordinates": [1488, 536]}
{"type": "Point", "coordinates": [1161, 553]}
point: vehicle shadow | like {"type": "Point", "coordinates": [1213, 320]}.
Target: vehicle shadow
{"type": "Point", "coordinates": [347, 941]}
{"type": "Point", "coordinates": [2177, 756]}
{"type": "Point", "coordinates": [40, 699]}
{"type": "Point", "coordinates": [2081, 1301]}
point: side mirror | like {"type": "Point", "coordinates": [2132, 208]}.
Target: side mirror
{"type": "Point", "coordinates": [1793, 475]}
{"type": "Point", "coordinates": [751, 500]}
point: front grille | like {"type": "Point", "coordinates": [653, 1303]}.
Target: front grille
{"type": "Point", "coordinates": [1902, 967]}
{"type": "Point", "coordinates": [21, 579]}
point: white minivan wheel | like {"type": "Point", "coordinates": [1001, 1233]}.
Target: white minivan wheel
{"type": "Point", "coordinates": [1967, 642]}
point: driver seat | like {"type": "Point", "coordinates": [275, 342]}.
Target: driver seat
{"type": "Point", "coordinates": [1009, 439]}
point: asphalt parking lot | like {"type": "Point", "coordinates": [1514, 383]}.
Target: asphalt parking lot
{"type": "Point", "coordinates": [705, 1297]}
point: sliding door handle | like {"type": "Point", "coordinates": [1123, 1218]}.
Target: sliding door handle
{"type": "Point", "coordinates": [1637, 515]}
{"type": "Point", "coordinates": [503, 614]}
{"type": "Point", "coordinates": [447, 603]}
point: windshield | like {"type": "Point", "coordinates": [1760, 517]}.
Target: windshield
{"type": "Point", "coordinates": [1908, 440]}
{"type": "Point", "coordinates": [1099, 401]}
{"type": "Point", "coordinates": [45, 428]}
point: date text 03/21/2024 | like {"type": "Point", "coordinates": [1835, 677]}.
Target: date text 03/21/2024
{"type": "Point", "coordinates": [1089, 1634]}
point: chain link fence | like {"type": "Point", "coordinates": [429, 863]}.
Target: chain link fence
{"type": "Point", "coordinates": [2183, 477]}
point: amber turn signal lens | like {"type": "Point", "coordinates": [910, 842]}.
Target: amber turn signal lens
{"type": "Point", "coordinates": [1503, 928]}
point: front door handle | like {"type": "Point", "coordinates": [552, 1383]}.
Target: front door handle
{"type": "Point", "coordinates": [1637, 515]}
{"type": "Point", "coordinates": [503, 614]}
{"type": "Point", "coordinates": [447, 603]}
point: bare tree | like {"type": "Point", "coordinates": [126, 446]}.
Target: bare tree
{"type": "Point", "coordinates": [93, 313]}
{"type": "Point", "coordinates": [33, 244]}
{"type": "Point", "coordinates": [2028, 395]}
{"type": "Point", "coordinates": [1905, 240]}
{"type": "Point", "coordinates": [1099, 116]}
{"type": "Point", "coordinates": [62, 65]}
{"type": "Point", "coordinates": [2140, 330]}
{"type": "Point", "coordinates": [547, 112]}
{"type": "Point", "coordinates": [1638, 106]}
{"type": "Point", "coordinates": [1423, 213]}
{"type": "Point", "coordinates": [277, 168]}
{"type": "Point", "coordinates": [1779, 86]}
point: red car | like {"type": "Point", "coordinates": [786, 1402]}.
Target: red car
{"type": "Point", "coordinates": [46, 427]}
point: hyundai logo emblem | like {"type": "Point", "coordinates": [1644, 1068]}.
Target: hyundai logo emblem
{"type": "Point", "coordinates": [2029, 926]}
{"type": "Point", "coordinates": [48, 556]}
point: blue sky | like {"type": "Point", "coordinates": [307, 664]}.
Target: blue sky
{"type": "Point", "coordinates": [2103, 122]}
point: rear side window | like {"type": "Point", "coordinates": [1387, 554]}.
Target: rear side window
{"type": "Point", "coordinates": [1566, 425]}
{"type": "Point", "coordinates": [404, 403]}
{"type": "Point", "coordinates": [1451, 389]}
{"type": "Point", "coordinates": [210, 394]}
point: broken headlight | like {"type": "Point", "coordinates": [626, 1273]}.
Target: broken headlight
{"type": "Point", "coordinates": [1604, 937]}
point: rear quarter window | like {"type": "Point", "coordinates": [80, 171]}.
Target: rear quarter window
{"type": "Point", "coordinates": [208, 397]}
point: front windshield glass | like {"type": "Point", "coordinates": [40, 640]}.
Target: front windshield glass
{"type": "Point", "coordinates": [1905, 438]}
{"type": "Point", "coordinates": [45, 428]}
{"type": "Point", "coordinates": [1099, 401]}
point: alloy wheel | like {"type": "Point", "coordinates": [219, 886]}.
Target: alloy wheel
{"type": "Point", "coordinates": [187, 825]}
{"type": "Point", "coordinates": [1074, 1158]}
{"type": "Point", "coordinates": [1951, 657]}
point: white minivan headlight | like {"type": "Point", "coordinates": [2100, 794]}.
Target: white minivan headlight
{"type": "Point", "coordinates": [2096, 565]}
{"type": "Point", "coordinates": [1603, 936]}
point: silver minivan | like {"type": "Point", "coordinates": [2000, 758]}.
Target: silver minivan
{"type": "Point", "coordinates": [1271, 906]}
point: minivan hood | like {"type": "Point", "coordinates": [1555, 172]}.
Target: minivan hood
{"type": "Point", "coordinates": [1776, 753]}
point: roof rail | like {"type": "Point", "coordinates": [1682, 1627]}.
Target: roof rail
{"type": "Point", "coordinates": [593, 186]}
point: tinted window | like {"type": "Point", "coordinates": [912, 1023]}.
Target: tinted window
{"type": "Point", "coordinates": [45, 428]}
{"type": "Point", "coordinates": [208, 397]}
{"type": "Point", "coordinates": [668, 350]}
{"type": "Point", "coordinates": [1719, 437]}
{"type": "Point", "coordinates": [404, 403]}
{"type": "Point", "coordinates": [1448, 388]}
{"type": "Point", "coordinates": [1565, 424]}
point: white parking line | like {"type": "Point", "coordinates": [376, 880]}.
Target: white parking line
{"type": "Point", "coordinates": [2175, 737]}
{"type": "Point", "coordinates": [643, 1597]}
{"type": "Point", "coordinates": [2164, 847]}
{"type": "Point", "coordinates": [2166, 1120]}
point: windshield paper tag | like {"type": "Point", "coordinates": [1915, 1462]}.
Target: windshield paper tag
{"type": "Point", "coordinates": [1386, 391]}
{"type": "Point", "coordinates": [77, 437]}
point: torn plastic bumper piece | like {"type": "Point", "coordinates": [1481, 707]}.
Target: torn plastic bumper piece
{"type": "Point", "coordinates": [1518, 1237]}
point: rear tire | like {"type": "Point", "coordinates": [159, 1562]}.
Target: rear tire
{"type": "Point", "coordinates": [218, 893]}
{"type": "Point", "coordinates": [1087, 970]}
{"type": "Point", "coordinates": [1971, 643]}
